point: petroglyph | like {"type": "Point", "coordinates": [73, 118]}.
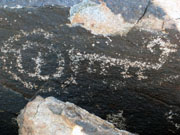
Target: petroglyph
{"type": "Point", "coordinates": [15, 49]}
{"type": "Point", "coordinates": [15, 64]}
{"type": "Point", "coordinates": [165, 47]}
{"type": "Point", "coordinates": [40, 55]}
{"type": "Point", "coordinates": [171, 118]}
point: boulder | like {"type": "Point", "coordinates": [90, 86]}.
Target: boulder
{"type": "Point", "coordinates": [53, 117]}
{"type": "Point", "coordinates": [126, 72]}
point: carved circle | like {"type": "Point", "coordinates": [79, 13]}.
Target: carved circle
{"type": "Point", "coordinates": [32, 55]}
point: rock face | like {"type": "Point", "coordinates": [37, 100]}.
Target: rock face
{"type": "Point", "coordinates": [130, 79]}
{"type": "Point", "coordinates": [53, 117]}
{"type": "Point", "coordinates": [119, 17]}
{"type": "Point", "coordinates": [10, 104]}
{"type": "Point", "coordinates": [98, 18]}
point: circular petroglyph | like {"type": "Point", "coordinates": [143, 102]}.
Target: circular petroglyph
{"type": "Point", "coordinates": [32, 55]}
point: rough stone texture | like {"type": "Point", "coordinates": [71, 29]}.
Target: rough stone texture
{"type": "Point", "coordinates": [10, 104]}
{"type": "Point", "coordinates": [37, 3]}
{"type": "Point", "coordinates": [98, 18]}
{"type": "Point", "coordinates": [161, 15]}
{"type": "Point", "coordinates": [150, 15]}
{"type": "Point", "coordinates": [53, 117]}
{"type": "Point", "coordinates": [130, 80]}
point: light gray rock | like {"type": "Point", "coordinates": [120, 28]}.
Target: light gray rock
{"type": "Point", "coordinates": [53, 117]}
{"type": "Point", "coordinates": [119, 17]}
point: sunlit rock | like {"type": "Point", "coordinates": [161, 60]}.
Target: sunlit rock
{"type": "Point", "coordinates": [53, 117]}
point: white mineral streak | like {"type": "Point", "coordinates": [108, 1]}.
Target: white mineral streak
{"type": "Point", "coordinates": [98, 18]}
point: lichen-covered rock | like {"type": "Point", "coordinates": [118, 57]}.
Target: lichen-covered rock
{"type": "Point", "coordinates": [53, 117]}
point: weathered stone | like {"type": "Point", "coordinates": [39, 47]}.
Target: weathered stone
{"type": "Point", "coordinates": [53, 117]}
{"type": "Point", "coordinates": [99, 19]}
{"type": "Point", "coordinates": [130, 80]}
{"type": "Point", "coordinates": [160, 15]}
{"type": "Point", "coordinates": [10, 104]}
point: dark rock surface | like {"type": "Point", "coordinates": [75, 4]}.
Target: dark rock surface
{"type": "Point", "coordinates": [10, 104]}
{"type": "Point", "coordinates": [132, 80]}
